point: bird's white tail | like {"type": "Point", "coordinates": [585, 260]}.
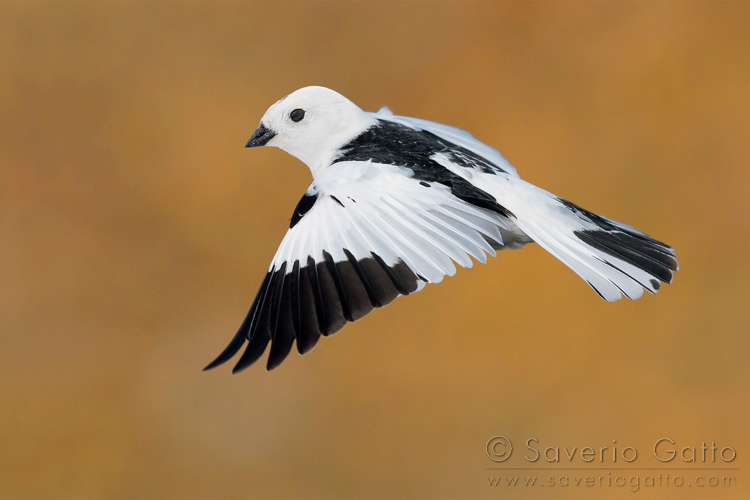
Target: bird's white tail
{"type": "Point", "coordinates": [613, 258]}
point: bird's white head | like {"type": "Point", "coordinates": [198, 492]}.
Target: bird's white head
{"type": "Point", "coordinates": [312, 124]}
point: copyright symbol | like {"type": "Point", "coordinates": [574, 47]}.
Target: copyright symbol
{"type": "Point", "coordinates": [499, 448]}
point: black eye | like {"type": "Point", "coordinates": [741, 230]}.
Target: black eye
{"type": "Point", "coordinates": [297, 115]}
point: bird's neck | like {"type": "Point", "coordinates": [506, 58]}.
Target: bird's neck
{"type": "Point", "coordinates": [318, 158]}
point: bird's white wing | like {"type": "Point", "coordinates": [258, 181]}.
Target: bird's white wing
{"type": "Point", "coordinates": [455, 135]}
{"type": "Point", "coordinates": [363, 234]}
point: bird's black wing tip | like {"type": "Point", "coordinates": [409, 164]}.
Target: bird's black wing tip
{"type": "Point", "coordinates": [220, 359]}
{"type": "Point", "coordinates": [228, 352]}
{"type": "Point", "coordinates": [213, 364]}
{"type": "Point", "coordinates": [237, 369]}
{"type": "Point", "coordinates": [271, 367]}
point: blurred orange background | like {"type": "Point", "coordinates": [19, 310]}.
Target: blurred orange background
{"type": "Point", "coordinates": [136, 229]}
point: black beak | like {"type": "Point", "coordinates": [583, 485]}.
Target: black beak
{"type": "Point", "coordinates": [260, 137]}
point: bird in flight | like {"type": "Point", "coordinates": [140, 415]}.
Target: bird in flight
{"type": "Point", "coordinates": [394, 203]}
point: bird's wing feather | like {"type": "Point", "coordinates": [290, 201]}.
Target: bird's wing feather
{"type": "Point", "coordinates": [364, 234]}
{"type": "Point", "coordinates": [455, 135]}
